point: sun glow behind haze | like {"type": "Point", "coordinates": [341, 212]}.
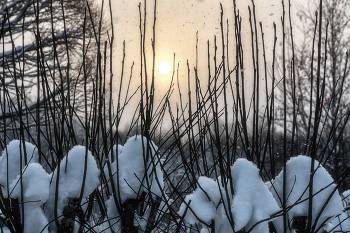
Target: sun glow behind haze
{"type": "Point", "coordinates": [164, 68]}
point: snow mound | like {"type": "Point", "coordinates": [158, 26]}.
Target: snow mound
{"type": "Point", "coordinates": [252, 201]}
{"type": "Point", "coordinates": [155, 182]}
{"type": "Point", "coordinates": [222, 223]}
{"type": "Point", "coordinates": [71, 175]}
{"type": "Point", "coordinates": [10, 162]}
{"type": "Point", "coordinates": [113, 166]}
{"type": "Point", "coordinates": [115, 152]}
{"type": "Point", "coordinates": [35, 221]}
{"type": "Point", "coordinates": [113, 215]}
{"type": "Point", "coordinates": [298, 178]}
{"type": "Point", "coordinates": [203, 204]}
{"type": "Point", "coordinates": [132, 168]}
{"type": "Point", "coordinates": [340, 223]}
{"type": "Point", "coordinates": [35, 184]}
{"type": "Point", "coordinates": [346, 196]}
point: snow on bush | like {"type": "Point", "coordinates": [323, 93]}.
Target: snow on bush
{"type": "Point", "coordinates": [113, 216]}
{"type": "Point", "coordinates": [154, 176]}
{"type": "Point", "coordinates": [10, 162]}
{"type": "Point", "coordinates": [341, 223]}
{"type": "Point", "coordinates": [252, 201]}
{"type": "Point", "coordinates": [115, 152]}
{"type": "Point", "coordinates": [71, 178]}
{"type": "Point", "coordinates": [35, 184]}
{"type": "Point", "coordinates": [132, 170]}
{"type": "Point", "coordinates": [204, 201]}
{"type": "Point", "coordinates": [222, 224]}
{"type": "Point", "coordinates": [298, 178]}
{"type": "Point", "coordinates": [132, 179]}
{"type": "Point", "coordinates": [113, 165]}
{"type": "Point", "coordinates": [346, 196]}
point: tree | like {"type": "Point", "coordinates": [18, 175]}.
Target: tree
{"type": "Point", "coordinates": [44, 62]}
{"type": "Point", "coordinates": [331, 90]}
{"type": "Point", "coordinates": [43, 40]}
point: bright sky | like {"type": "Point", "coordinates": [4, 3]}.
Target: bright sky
{"type": "Point", "coordinates": [177, 24]}
{"type": "Point", "coordinates": [176, 27]}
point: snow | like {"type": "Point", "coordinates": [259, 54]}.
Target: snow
{"type": "Point", "coordinates": [5, 230]}
{"type": "Point", "coordinates": [203, 204]}
{"type": "Point", "coordinates": [115, 152]}
{"type": "Point", "coordinates": [71, 178]}
{"type": "Point", "coordinates": [222, 224]}
{"type": "Point", "coordinates": [154, 176]}
{"type": "Point", "coordinates": [165, 203]}
{"type": "Point", "coordinates": [339, 224]}
{"type": "Point", "coordinates": [346, 196]}
{"type": "Point", "coordinates": [11, 159]}
{"type": "Point", "coordinates": [113, 215]}
{"type": "Point", "coordinates": [35, 184]}
{"type": "Point", "coordinates": [35, 221]}
{"type": "Point", "coordinates": [141, 221]}
{"type": "Point", "coordinates": [132, 169]}
{"type": "Point", "coordinates": [252, 201]}
{"type": "Point", "coordinates": [113, 165]}
{"type": "Point", "coordinates": [298, 178]}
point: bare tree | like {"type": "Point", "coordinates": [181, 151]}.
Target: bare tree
{"type": "Point", "coordinates": [333, 86]}
{"type": "Point", "coordinates": [43, 40]}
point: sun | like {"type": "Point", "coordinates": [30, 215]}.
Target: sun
{"type": "Point", "coordinates": [164, 68]}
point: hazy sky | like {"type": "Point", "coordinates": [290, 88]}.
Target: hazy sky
{"type": "Point", "coordinates": [178, 21]}
{"type": "Point", "coordinates": [176, 27]}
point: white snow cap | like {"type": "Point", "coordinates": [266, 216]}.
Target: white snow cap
{"type": "Point", "coordinates": [132, 168]}
{"type": "Point", "coordinates": [11, 158]}
{"type": "Point", "coordinates": [35, 183]}
{"type": "Point", "coordinates": [298, 178]}
{"type": "Point", "coordinates": [35, 221]}
{"type": "Point", "coordinates": [113, 215]}
{"type": "Point", "coordinates": [113, 165]}
{"type": "Point", "coordinates": [72, 172]}
{"type": "Point", "coordinates": [252, 201]}
{"type": "Point", "coordinates": [201, 206]}
{"type": "Point", "coordinates": [115, 152]}
{"type": "Point", "coordinates": [346, 196]}
{"type": "Point", "coordinates": [71, 179]}
{"type": "Point", "coordinates": [340, 223]}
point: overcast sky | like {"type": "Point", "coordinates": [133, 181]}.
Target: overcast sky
{"type": "Point", "coordinates": [178, 21]}
{"type": "Point", "coordinates": [176, 27]}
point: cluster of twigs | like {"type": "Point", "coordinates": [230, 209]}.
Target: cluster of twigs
{"type": "Point", "coordinates": [214, 125]}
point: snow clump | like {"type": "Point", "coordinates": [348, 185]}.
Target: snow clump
{"type": "Point", "coordinates": [10, 162]}
{"type": "Point", "coordinates": [71, 175]}
{"type": "Point", "coordinates": [252, 201]}
{"type": "Point", "coordinates": [113, 165]}
{"type": "Point", "coordinates": [298, 179]}
{"type": "Point", "coordinates": [115, 152]}
{"type": "Point", "coordinates": [204, 201]}
{"type": "Point", "coordinates": [132, 179]}
{"type": "Point", "coordinates": [35, 184]}
{"type": "Point", "coordinates": [346, 199]}
{"type": "Point", "coordinates": [340, 223]}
